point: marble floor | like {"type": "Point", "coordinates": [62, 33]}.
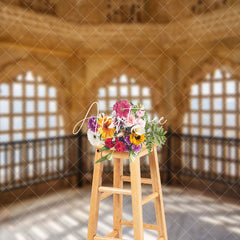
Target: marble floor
{"type": "Point", "coordinates": [190, 215]}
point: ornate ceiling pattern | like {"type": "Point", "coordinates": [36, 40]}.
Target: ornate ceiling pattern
{"type": "Point", "coordinates": [205, 28]}
{"type": "Point", "coordinates": [125, 11]}
{"type": "Point", "coordinates": [203, 6]}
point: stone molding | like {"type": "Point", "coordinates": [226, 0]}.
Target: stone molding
{"type": "Point", "coordinates": [205, 28]}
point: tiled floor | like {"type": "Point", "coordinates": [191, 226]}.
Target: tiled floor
{"type": "Point", "coordinates": [190, 216]}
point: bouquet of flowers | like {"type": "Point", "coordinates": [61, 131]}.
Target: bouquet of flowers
{"type": "Point", "coordinates": [127, 129]}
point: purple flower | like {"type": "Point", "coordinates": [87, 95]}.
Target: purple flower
{"type": "Point", "coordinates": [92, 124]}
{"type": "Point", "coordinates": [126, 148]}
{"type": "Point", "coordinates": [118, 122]}
{"type": "Point", "coordinates": [136, 148]}
{"type": "Point", "coordinates": [127, 140]}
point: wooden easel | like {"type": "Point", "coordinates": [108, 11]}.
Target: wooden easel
{"type": "Point", "coordinates": [100, 192]}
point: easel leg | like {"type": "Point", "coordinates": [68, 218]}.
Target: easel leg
{"type": "Point", "coordinates": [136, 199]}
{"type": "Point", "coordinates": [95, 198]}
{"type": "Point", "coordinates": [117, 198]}
{"type": "Point", "coordinates": [156, 184]}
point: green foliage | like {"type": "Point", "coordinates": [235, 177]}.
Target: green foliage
{"type": "Point", "coordinates": [132, 156]}
{"type": "Point", "coordinates": [154, 134]}
{"type": "Point", "coordinates": [145, 117]}
{"type": "Point", "coordinates": [104, 148]}
{"type": "Point", "coordinates": [135, 108]}
{"type": "Point", "coordinates": [107, 157]}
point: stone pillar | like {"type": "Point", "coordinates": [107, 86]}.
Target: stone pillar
{"type": "Point", "coordinates": [171, 82]}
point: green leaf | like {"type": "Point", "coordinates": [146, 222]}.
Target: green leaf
{"type": "Point", "coordinates": [104, 148]}
{"type": "Point", "coordinates": [107, 157]}
{"type": "Point", "coordinates": [132, 156]}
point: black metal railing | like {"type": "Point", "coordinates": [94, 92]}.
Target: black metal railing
{"type": "Point", "coordinates": [24, 163]}
{"type": "Point", "coordinates": [216, 159]}
{"type": "Point", "coordinates": [210, 158]}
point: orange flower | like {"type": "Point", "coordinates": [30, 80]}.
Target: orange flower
{"type": "Point", "coordinates": [104, 129]}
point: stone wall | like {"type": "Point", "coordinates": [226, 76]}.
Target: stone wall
{"type": "Point", "coordinates": [78, 59]}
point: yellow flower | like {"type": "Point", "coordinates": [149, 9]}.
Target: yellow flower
{"type": "Point", "coordinates": [137, 139]}
{"type": "Point", "coordinates": [104, 129]}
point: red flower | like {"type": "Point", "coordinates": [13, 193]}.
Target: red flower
{"type": "Point", "coordinates": [109, 143]}
{"type": "Point", "coordinates": [120, 147]}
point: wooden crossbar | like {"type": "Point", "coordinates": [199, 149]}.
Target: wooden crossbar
{"type": "Point", "coordinates": [112, 234]}
{"type": "Point", "coordinates": [145, 225]}
{"type": "Point", "coordinates": [149, 198]}
{"type": "Point", "coordinates": [115, 190]}
{"type": "Point", "coordinates": [107, 238]}
{"type": "Point", "coordinates": [100, 192]}
{"type": "Point", "coordinates": [143, 180]}
{"type": "Point", "coordinates": [105, 195]}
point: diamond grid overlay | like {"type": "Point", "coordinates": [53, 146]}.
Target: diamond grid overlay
{"type": "Point", "coordinates": [73, 96]}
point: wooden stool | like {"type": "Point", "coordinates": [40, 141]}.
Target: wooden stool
{"type": "Point", "coordinates": [99, 192]}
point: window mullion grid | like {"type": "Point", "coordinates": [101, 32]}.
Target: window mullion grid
{"type": "Point", "coordinates": [57, 116]}
{"type": "Point", "coordinates": [23, 97]}
{"type": "Point", "coordinates": [200, 110]}
{"type": "Point", "coordinates": [190, 126]}
{"type": "Point", "coordinates": [24, 109]}
{"type": "Point", "coordinates": [107, 100]}
{"type": "Point", "coordinates": [141, 100]}
{"type": "Point", "coordinates": [11, 110]}
{"type": "Point", "coordinates": [211, 144]}
{"type": "Point", "coordinates": [129, 90]}
{"type": "Point", "coordinates": [211, 114]}
{"type": "Point", "coordinates": [24, 164]}
{"type": "Point", "coordinates": [36, 115]}
{"type": "Point", "coordinates": [118, 86]}
{"type": "Point", "coordinates": [224, 126]}
{"type": "Point", "coordinates": [10, 134]}
{"type": "Point", "coordinates": [238, 129]}
{"type": "Point", "coordinates": [47, 98]}
{"type": "Point", "coordinates": [238, 107]}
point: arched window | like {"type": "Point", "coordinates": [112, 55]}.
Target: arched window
{"type": "Point", "coordinates": [28, 109]}
{"type": "Point", "coordinates": [124, 87]}
{"type": "Point", "coordinates": [214, 111]}
{"type": "Point", "coordinates": [214, 107]}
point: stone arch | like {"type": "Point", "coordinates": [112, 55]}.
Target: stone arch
{"type": "Point", "coordinates": [197, 74]}
{"type": "Point", "coordinates": [141, 76]}
{"type": "Point", "coordinates": [50, 75]}
{"type": "Point", "coordinates": [20, 66]}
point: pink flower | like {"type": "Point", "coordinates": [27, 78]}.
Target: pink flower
{"type": "Point", "coordinates": [140, 113]}
{"type": "Point", "coordinates": [122, 108]}
{"type": "Point", "coordinates": [140, 122]}
{"type": "Point", "coordinates": [130, 120]}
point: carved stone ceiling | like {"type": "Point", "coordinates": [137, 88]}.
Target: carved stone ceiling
{"type": "Point", "coordinates": [100, 11]}
{"type": "Point", "coordinates": [48, 32]}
